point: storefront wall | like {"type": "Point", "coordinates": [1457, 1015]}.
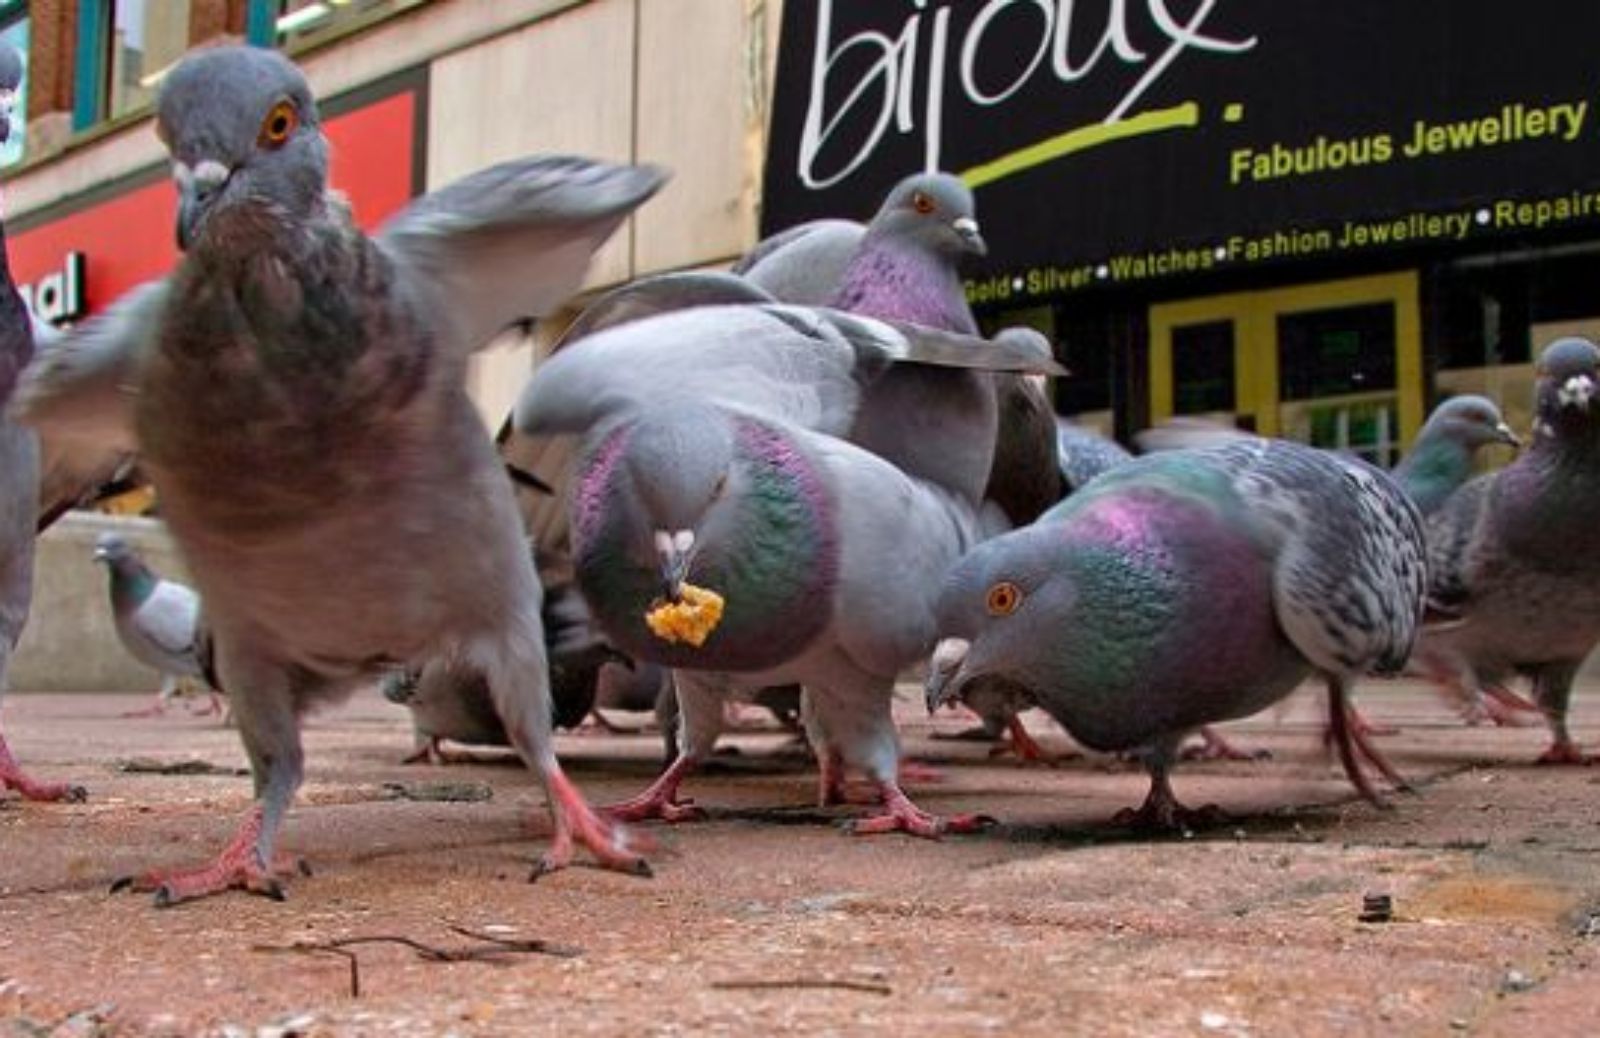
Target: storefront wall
{"type": "Point", "coordinates": [1309, 223]}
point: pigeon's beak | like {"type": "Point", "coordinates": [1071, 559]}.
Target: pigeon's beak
{"type": "Point", "coordinates": [1576, 391]}
{"type": "Point", "coordinates": [198, 188]}
{"type": "Point", "coordinates": [675, 551]}
{"type": "Point", "coordinates": [966, 229]}
{"type": "Point", "coordinates": [101, 555]}
{"type": "Point", "coordinates": [1503, 432]}
{"type": "Point", "coordinates": [941, 685]}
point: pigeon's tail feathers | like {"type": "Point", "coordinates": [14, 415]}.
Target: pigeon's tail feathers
{"type": "Point", "coordinates": [1020, 350]}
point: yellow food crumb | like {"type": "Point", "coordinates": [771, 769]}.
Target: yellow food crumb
{"type": "Point", "coordinates": [691, 620]}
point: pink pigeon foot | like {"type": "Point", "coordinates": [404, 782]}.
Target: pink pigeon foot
{"type": "Point", "coordinates": [901, 815]}
{"type": "Point", "coordinates": [238, 867]}
{"type": "Point", "coordinates": [1565, 751]}
{"type": "Point", "coordinates": [660, 800]}
{"type": "Point", "coordinates": [1216, 746]}
{"type": "Point", "coordinates": [12, 777]}
{"type": "Point", "coordinates": [611, 844]}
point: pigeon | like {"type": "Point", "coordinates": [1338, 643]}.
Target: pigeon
{"type": "Point", "coordinates": [1440, 460]}
{"type": "Point", "coordinates": [158, 621]}
{"type": "Point", "coordinates": [904, 264]}
{"type": "Point", "coordinates": [449, 700]}
{"type": "Point", "coordinates": [1514, 556]}
{"type": "Point", "coordinates": [19, 474]}
{"type": "Point", "coordinates": [295, 392]}
{"type": "Point", "coordinates": [713, 459]}
{"type": "Point", "coordinates": [1189, 587]}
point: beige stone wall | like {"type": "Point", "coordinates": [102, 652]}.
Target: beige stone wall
{"type": "Point", "coordinates": [70, 643]}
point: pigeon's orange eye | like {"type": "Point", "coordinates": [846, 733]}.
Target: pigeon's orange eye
{"type": "Point", "coordinates": [1004, 598]}
{"type": "Point", "coordinates": [922, 203]}
{"type": "Point", "coordinates": [278, 125]}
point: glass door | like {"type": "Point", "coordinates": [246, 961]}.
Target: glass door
{"type": "Point", "coordinates": [1334, 364]}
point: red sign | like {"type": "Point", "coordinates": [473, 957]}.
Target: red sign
{"type": "Point", "coordinates": [130, 239]}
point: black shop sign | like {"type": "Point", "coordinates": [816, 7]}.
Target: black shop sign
{"type": "Point", "coordinates": [1112, 141]}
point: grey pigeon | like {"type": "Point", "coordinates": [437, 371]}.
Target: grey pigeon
{"type": "Point", "coordinates": [904, 264]}
{"type": "Point", "coordinates": [19, 474]}
{"type": "Point", "coordinates": [1083, 454]}
{"type": "Point", "coordinates": [449, 700]}
{"type": "Point", "coordinates": [157, 620]}
{"type": "Point", "coordinates": [1189, 587]}
{"type": "Point", "coordinates": [297, 392]}
{"type": "Point", "coordinates": [711, 458]}
{"type": "Point", "coordinates": [1440, 460]}
{"type": "Point", "coordinates": [1514, 556]}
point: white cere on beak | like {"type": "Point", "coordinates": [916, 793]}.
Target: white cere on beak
{"type": "Point", "coordinates": [682, 541]}
{"type": "Point", "coordinates": [182, 174]}
{"type": "Point", "coordinates": [949, 654]}
{"type": "Point", "coordinates": [1576, 391]}
{"type": "Point", "coordinates": [965, 225]}
{"type": "Point", "coordinates": [8, 101]}
{"type": "Point", "coordinates": [210, 172]}
{"type": "Point", "coordinates": [663, 541]}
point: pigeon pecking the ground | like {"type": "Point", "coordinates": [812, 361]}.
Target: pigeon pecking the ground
{"type": "Point", "coordinates": [19, 473]}
{"type": "Point", "coordinates": [712, 464]}
{"type": "Point", "coordinates": [1514, 556]}
{"type": "Point", "coordinates": [1189, 587]}
{"type": "Point", "coordinates": [158, 621]}
{"type": "Point", "coordinates": [296, 390]}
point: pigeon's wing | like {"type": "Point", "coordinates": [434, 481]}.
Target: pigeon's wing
{"type": "Point", "coordinates": [1350, 571]}
{"type": "Point", "coordinates": [1454, 533]}
{"type": "Point", "coordinates": [804, 264]}
{"type": "Point", "coordinates": [169, 620]}
{"type": "Point", "coordinates": [1024, 477]}
{"type": "Point", "coordinates": [73, 474]}
{"type": "Point", "coordinates": [510, 242]}
{"type": "Point", "coordinates": [1083, 454]}
{"type": "Point", "coordinates": [799, 364]}
{"type": "Point", "coordinates": [82, 384]}
{"type": "Point", "coordinates": [661, 294]}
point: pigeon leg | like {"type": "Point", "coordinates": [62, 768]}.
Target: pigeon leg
{"type": "Point", "coordinates": [1350, 739]}
{"type": "Point", "coordinates": [1505, 708]}
{"type": "Point", "coordinates": [163, 697]}
{"type": "Point", "coordinates": [830, 779]}
{"type": "Point", "coordinates": [857, 725]}
{"type": "Point", "coordinates": [1216, 746]}
{"type": "Point", "coordinates": [700, 716]}
{"type": "Point", "coordinates": [1161, 810]}
{"type": "Point", "coordinates": [1026, 747]}
{"type": "Point", "coordinates": [513, 662]}
{"type": "Point", "coordinates": [270, 730]}
{"type": "Point", "coordinates": [11, 776]}
{"type": "Point", "coordinates": [1552, 689]}
{"type": "Point", "coordinates": [240, 866]}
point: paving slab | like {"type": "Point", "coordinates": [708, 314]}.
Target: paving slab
{"type": "Point", "coordinates": [767, 917]}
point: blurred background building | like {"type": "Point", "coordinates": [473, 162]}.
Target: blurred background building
{"type": "Point", "coordinates": [1312, 222]}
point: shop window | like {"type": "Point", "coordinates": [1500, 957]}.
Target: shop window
{"type": "Point", "coordinates": [147, 37]}
{"type": "Point", "coordinates": [1343, 350]}
{"type": "Point", "coordinates": [308, 20]}
{"type": "Point", "coordinates": [1202, 368]}
{"type": "Point", "coordinates": [14, 30]}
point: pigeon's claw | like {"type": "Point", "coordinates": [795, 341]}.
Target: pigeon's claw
{"type": "Point", "coordinates": [12, 777]}
{"type": "Point", "coordinates": [611, 844]}
{"type": "Point", "coordinates": [902, 816]}
{"type": "Point", "coordinates": [238, 867]}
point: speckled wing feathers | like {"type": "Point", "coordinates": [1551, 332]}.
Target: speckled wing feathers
{"type": "Point", "coordinates": [1351, 571]}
